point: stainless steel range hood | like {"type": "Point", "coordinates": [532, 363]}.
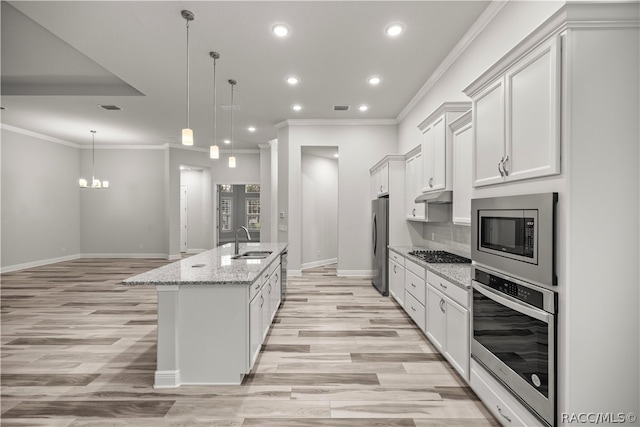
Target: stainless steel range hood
{"type": "Point", "coordinates": [435, 197]}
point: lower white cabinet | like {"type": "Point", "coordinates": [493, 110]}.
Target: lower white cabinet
{"type": "Point", "coordinates": [396, 281]}
{"type": "Point", "coordinates": [255, 328]}
{"type": "Point", "coordinates": [448, 321]}
{"type": "Point", "coordinates": [415, 309]}
{"type": "Point", "coordinates": [262, 308]}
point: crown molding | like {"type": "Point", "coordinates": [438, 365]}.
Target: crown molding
{"type": "Point", "coordinates": [37, 135]}
{"type": "Point", "coordinates": [337, 122]}
{"type": "Point", "coordinates": [487, 16]}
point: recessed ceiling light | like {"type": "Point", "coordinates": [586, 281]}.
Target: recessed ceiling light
{"type": "Point", "coordinates": [394, 30]}
{"type": "Point", "coordinates": [292, 80]}
{"type": "Point", "coordinates": [251, 129]}
{"type": "Point", "coordinates": [363, 108]}
{"type": "Point", "coordinates": [374, 80]}
{"type": "Point", "coordinates": [280, 30]}
{"type": "Point", "coordinates": [227, 141]}
{"type": "Point", "coordinates": [296, 107]}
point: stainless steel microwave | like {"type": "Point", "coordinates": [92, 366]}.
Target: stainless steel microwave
{"type": "Point", "coordinates": [515, 235]}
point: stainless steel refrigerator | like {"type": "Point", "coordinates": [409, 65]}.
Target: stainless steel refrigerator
{"type": "Point", "coordinates": [380, 241]}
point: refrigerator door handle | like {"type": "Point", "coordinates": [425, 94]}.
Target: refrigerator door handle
{"type": "Point", "coordinates": [374, 234]}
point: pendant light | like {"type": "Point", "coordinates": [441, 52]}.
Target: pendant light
{"type": "Point", "coordinates": [232, 158]}
{"type": "Point", "coordinates": [214, 150]}
{"type": "Point", "coordinates": [187, 133]}
{"type": "Point", "coordinates": [96, 184]}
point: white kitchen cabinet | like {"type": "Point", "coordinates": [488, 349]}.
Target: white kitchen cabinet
{"type": "Point", "coordinates": [415, 294]}
{"type": "Point", "coordinates": [255, 328]}
{"type": "Point", "coordinates": [276, 294]}
{"type": "Point", "coordinates": [516, 118]}
{"type": "Point", "coordinates": [437, 146]}
{"type": "Point", "coordinates": [396, 280]}
{"type": "Point", "coordinates": [380, 181]}
{"type": "Point", "coordinates": [448, 321]}
{"type": "Point", "coordinates": [462, 158]}
{"type": "Point", "coordinates": [413, 187]}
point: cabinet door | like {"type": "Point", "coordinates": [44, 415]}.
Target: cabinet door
{"type": "Point", "coordinates": [533, 114]}
{"type": "Point", "coordinates": [488, 130]}
{"type": "Point", "coordinates": [413, 185]}
{"type": "Point", "coordinates": [266, 312]}
{"type": "Point", "coordinates": [435, 318]}
{"type": "Point", "coordinates": [255, 328]}
{"type": "Point", "coordinates": [428, 153]}
{"type": "Point", "coordinates": [457, 337]}
{"type": "Point", "coordinates": [274, 301]}
{"type": "Point", "coordinates": [384, 179]}
{"type": "Point", "coordinates": [396, 282]}
{"type": "Point", "coordinates": [439, 171]}
{"type": "Point", "coordinates": [462, 148]}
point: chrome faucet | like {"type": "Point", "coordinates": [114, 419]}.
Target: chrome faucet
{"type": "Point", "coordinates": [246, 230]}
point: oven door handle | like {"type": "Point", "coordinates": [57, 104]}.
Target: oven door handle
{"type": "Point", "coordinates": [513, 304]}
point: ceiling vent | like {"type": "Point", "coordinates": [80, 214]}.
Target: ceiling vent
{"type": "Point", "coordinates": [111, 107]}
{"type": "Point", "coordinates": [229, 107]}
{"type": "Point", "coordinates": [340, 108]}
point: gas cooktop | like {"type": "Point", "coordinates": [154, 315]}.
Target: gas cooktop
{"type": "Point", "coordinates": [440, 257]}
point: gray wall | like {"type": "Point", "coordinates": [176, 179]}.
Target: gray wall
{"type": "Point", "coordinates": [40, 200]}
{"type": "Point", "coordinates": [127, 219]}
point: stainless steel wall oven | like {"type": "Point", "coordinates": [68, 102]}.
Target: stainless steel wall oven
{"type": "Point", "coordinates": [514, 316]}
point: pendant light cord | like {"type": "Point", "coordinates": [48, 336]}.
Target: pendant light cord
{"type": "Point", "coordinates": [188, 83]}
{"type": "Point", "coordinates": [233, 107]}
{"type": "Point", "coordinates": [214, 102]}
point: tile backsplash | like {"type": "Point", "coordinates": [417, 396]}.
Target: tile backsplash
{"type": "Point", "coordinates": [446, 236]}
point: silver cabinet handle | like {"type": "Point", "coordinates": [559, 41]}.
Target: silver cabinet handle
{"type": "Point", "coordinates": [431, 182]}
{"type": "Point", "coordinates": [414, 211]}
{"type": "Point", "coordinates": [504, 166]}
{"type": "Point", "coordinates": [381, 188]}
{"type": "Point", "coordinates": [500, 166]}
{"type": "Point", "coordinates": [413, 308]}
{"type": "Point", "coordinates": [442, 305]}
{"type": "Point", "coordinates": [262, 299]}
{"type": "Point", "coordinates": [413, 285]}
{"type": "Point", "coordinates": [395, 269]}
{"type": "Point", "coordinates": [503, 415]}
{"type": "Point", "coordinates": [276, 277]}
{"type": "Point", "coordinates": [443, 286]}
{"type": "Point", "coordinates": [258, 286]}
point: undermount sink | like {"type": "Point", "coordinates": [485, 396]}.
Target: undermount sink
{"type": "Point", "coordinates": [252, 255]}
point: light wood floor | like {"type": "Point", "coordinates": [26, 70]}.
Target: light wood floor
{"type": "Point", "coordinates": [78, 349]}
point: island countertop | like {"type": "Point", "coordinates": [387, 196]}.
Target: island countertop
{"type": "Point", "coordinates": [212, 267]}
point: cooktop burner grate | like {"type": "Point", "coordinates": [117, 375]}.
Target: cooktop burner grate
{"type": "Point", "coordinates": [440, 257]}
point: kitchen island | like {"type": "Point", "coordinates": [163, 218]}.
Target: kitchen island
{"type": "Point", "coordinates": [214, 310]}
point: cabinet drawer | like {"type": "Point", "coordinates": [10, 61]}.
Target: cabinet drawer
{"type": "Point", "coordinates": [416, 286]}
{"type": "Point", "coordinates": [396, 257]}
{"type": "Point", "coordinates": [255, 288]}
{"type": "Point", "coordinates": [416, 310]}
{"type": "Point", "coordinates": [503, 406]}
{"type": "Point", "coordinates": [455, 292]}
{"type": "Point", "coordinates": [416, 269]}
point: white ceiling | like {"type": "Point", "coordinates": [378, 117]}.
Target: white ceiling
{"type": "Point", "coordinates": [61, 60]}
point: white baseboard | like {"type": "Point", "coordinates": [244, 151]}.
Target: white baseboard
{"type": "Point", "coordinates": [120, 255]}
{"type": "Point", "coordinates": [294, 273]}
{"type": "Point", "coordinates": [39, 263]}
{"type": "Point", "coordinates": [167, 379]}
{"type": "Point", "coordinates": [319, 263]}
{"type": "Point", "coordinates": [354, 273]}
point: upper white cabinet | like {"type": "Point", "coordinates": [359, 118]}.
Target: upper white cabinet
{"type": "Point", "coordinates": [437, 146]}
{"type": "Point", "coordinates": [413, 168]}
{"type": "Point", "coordinates": [516, 117]}
{"type": "Point", "coordinates": [462, 155]}
{"type": "Point", "coordinates": [380, 181]}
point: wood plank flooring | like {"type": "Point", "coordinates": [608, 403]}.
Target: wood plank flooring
{"type": "Point", "coordinates": [78, 348]}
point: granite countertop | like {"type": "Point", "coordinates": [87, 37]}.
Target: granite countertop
{"type": "Point", "coordinates": [212, 267]}
{"type": "Point", "coordinates": [458, 274]}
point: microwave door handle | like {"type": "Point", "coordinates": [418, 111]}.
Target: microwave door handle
{"type": "Point", "coordinates": [543, 316]}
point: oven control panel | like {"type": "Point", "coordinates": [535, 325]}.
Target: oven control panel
{"type": "Point", "coordinates": [515, 290]}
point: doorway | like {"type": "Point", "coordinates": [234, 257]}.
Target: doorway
{"type": "Point", "coordinates": [319, 167]}
{"type": "Point", "coordinates": [238, 205]}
